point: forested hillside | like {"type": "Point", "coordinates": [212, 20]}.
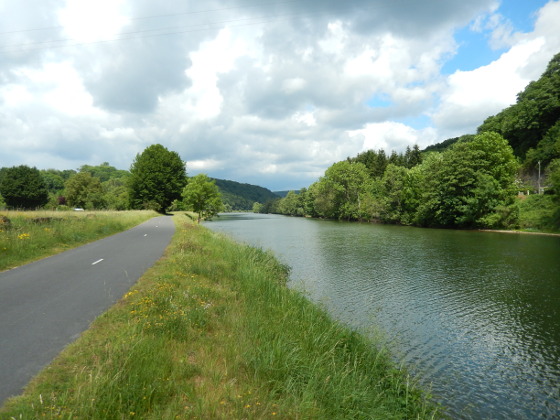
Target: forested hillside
{"type": "Point", "coordinates": [505, 176]}
{"type": "Point", "coordinates": [240, 196]}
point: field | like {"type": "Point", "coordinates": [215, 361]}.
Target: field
{"type": "Point", "coordinates": [212, 332]}
{"type": "Point", "coordinates": [26, 236]}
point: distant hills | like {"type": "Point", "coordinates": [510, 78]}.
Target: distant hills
{"type": "Point", "coordinates": [238, 196]}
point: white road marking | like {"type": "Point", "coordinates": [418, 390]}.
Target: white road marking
{"type": "Point", "coordinates": [98, 261]}
{"type": "Point", "coordinates": [145, 234]}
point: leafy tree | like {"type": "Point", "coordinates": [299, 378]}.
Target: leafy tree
{"type": "Point", "coordinates": [53, 181]}
{"type": "Point", "coordinates": [202, 196]}
{"type": "Point", "coordinates": [340, 192]}
{"type": "Point", "coordinates": [23, 187]}
{"type": "Point", "coordinates": [116, 193]}
{"type": "Point", "coordinates": [104, 172]}
{"type": "Point", "coordinates": [547, 149]}
{"type": "Point", "coordinates": [554, 177]}
{"type": "Point", "coordinates": [291, 205]}
{"type": "Point", "coordinates": [393, 190]}
{"type": "Point", "coordinates": [257, 207]}
{"type": "Point", "coordinates": [84, 190]}
{"type": "Point", "coordinates": [158, 177]}
{"type": "Point", "coordinates": [375, 162]}
{"type": "Point", "coordinates": [474, 186]}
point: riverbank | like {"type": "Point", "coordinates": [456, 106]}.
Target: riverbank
{"type": "Point", "coordinates": [212, 331]}
{"type": "Point", "coordinates": [520, 232]}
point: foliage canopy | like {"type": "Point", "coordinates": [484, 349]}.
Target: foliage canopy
{"type": "Point", "coordinates": [23, 187]}
{"type": "Point", "coordinates": [202, 196]}
{"type": "Point", "coordinates": [157, 177]}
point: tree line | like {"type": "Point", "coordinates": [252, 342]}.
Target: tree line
{"type": "Point", "coordinates": [493, 179]}
{"type": "Point", "coordinates": [157, 180]}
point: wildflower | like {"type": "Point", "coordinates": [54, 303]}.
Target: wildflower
{"type": "Point", "coordinates": [24, 236]}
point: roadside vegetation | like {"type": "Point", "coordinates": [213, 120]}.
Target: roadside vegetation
{"type": "Point", "coordinates": [212, 332]}
{"type": "Point", "coordinates": [26, 236]}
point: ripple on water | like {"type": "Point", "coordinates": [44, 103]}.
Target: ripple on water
{"type": "Point", "coordinates": [474, 315]}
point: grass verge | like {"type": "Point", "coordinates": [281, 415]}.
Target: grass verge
{"type": "Point", "coordinates": [212, 332]}
{"type": "Point", "coordinates": [26, 236]}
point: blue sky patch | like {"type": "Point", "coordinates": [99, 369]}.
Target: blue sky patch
{"type": "Point", "coordinates": [474, 50]}
{"type": "Point", "coordinates": [379, 101]}
{"type": "Point", "coordinates": [418, 122]}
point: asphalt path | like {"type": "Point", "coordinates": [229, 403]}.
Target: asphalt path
{"type": "Point", "coordinates": [47, 304]}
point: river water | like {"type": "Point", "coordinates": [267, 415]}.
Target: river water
{"type": "Point", "coordinates": [475, 316]}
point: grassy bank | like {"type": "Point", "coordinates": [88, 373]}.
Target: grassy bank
{"type": "Point", "coordinates": [539, 213]}
{"type": "Point", "coordinates": [29, 235]}
{"type": "Point", "coordinates": [212, 332]}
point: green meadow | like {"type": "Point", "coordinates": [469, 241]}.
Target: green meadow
{"type": "Point", "coordinates": [212, 332]}
{"type": "Point", "coordinates": [26, 236]}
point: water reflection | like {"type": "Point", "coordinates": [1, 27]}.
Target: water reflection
{"type": "Point", "coordinates": [475, 314]}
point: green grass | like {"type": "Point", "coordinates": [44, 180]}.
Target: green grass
{"type": "Point", "coordinates": [31, 235]}
{"type": "Point", "coordinates": [539, 212]}
{"type": "Point", "coordinates": [212, 332]}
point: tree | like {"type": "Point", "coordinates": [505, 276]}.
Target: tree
{"type": "Point", "coordinates": [202, 196]}
{"type": "Point", "coordinates": [393, 190]}
{"type": "Point", "coordinates": [158, 177]}
{"type": "Point", "coordinates": [116, 193]}
{"type": "Point", "coordinates": [340, 192]}
{"type": "Point", "coordinates": [84, 190]}
{"type": "Point", "coordinates": [104, 172]}
{"type": "Point", "coordinates": [474, 185]}
{"type": "Point", "coordinates": [23, 187]}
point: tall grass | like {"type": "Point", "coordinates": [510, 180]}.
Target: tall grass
{"type": "Point", "coordinates": [212, 332]}
{"type": "Point", "coordinates": [29, 235]}
{"type": "Point", "coordinates": [539, 212]}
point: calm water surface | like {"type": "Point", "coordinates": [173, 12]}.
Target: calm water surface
{"type": "Point", "coordinates": [474, 315]}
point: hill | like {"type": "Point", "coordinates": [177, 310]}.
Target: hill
{"type": "Point", "coordinates": [240, 196]}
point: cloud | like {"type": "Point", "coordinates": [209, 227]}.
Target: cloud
{"type": "Point", "coordinates": [468, 97]}
{"type": "Point", "coordinates": [270, 93]}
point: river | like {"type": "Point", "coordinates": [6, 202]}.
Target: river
{"type": "Point", "coordinates": [475, 316]}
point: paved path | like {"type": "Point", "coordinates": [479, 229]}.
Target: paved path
{"type": "Point", "coordinates": [47, 304]}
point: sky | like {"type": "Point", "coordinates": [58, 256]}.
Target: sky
{"type": "Point", "coordinates": [268, 92]}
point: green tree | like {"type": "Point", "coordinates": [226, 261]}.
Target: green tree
{"type": "Point", "coordinates": [290, 205]}
{"type": "Point", "coordinates": [116, 193]}
{"type": "Point", "coordinates": [393, 193]}
{"type": "Point", "coordinates": [158, 177]}
{"type": "Point", "coordinates": [340, 192]}
{"type": "Point", "coordinates": [257, 207]}
{"type": "Point", "coordinates": [104, 172]}
{"type": "Point", "coordinates": [474, 186]}
{"type": "Point", "coordinates": [84, 190]}
{"type": "Point", "coordinates": [23, 187]}
{"type": "Point", "coordinates": [202, 196]}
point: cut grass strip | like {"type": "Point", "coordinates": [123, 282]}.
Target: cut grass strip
{"type": "Point", "coordinates": [212, 332]}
